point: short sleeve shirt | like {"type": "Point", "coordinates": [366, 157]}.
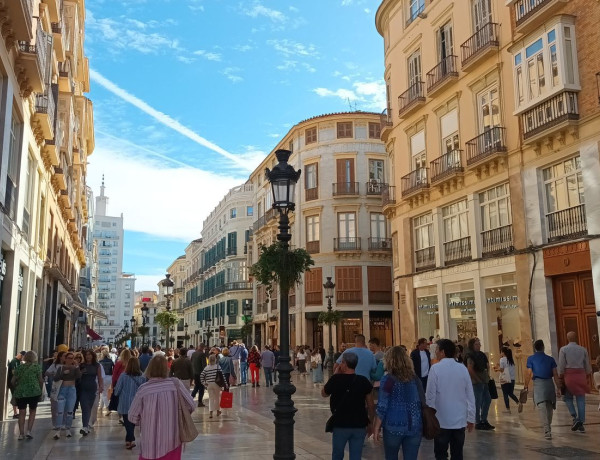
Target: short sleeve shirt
{"type": "Point", "coordinates": [350, 410]}
{"type": "Point", "coordinates": [541, 364]}
{"type": "Point", "coordinates": [28, 380]}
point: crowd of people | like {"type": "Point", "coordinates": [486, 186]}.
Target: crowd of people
{"type": "Point", "coordinates": [386, 394]}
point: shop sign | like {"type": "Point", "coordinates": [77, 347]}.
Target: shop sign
{"type": "Point", "coordinates": [351, 321]}
{"type": "Point", "coordinates": [501, 300]}
{"type": "Point", "coordinates": [466, 306]}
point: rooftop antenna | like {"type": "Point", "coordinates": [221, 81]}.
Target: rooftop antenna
{"type": "Point", "coordinates": [351, 106]}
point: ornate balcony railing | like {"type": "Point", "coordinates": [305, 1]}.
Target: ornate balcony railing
{"type": "Point", "coordinates": [415, 180]}
{"type": "Point", "coordinates": [388, 195]}
{"type": "Point", "coordinates": [497, 241]}
{"type": "Point", "coordinates": [345, 188]}
{"type": "Point", "coordinates": [425, 258]}
{"type": "Point", "coordinates": [490, 142]}
{"type": "Point", "coordinates": [375, 188]}
{"type": "Point", "coordinates": [482, 40]}
{"type": "Point", "coordinates": [346, 244]}
{"type": "Point", "coordinates": [385, 119]}
{"type": "Point", "coordinates": [557, 109]}
{"type": "Point", "coordinates": [447, 165]}
{"type": "Point", "coordinates": [457, 251]}
{"type": "Point", "coordinates": [380, 244]}
{"type": "Point", "coordinates": [445, 69]}
{"type": "Point", "coordinates": [524, 9]}
{"type": "Point", "coordinates": [414, 94]}
{"type": "Point", "coordinates": [567, 223]}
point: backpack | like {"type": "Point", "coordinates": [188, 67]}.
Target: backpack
{"type": "Point", "coordinates": [108, 365]}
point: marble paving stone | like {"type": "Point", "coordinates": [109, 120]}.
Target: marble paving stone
{"type": "Point", "coordinates": [246, 432]}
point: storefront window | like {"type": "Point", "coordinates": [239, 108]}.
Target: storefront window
{"type": "Point", "coordinates": [380, 326]}
{"type": "Point", "coordinates": [428, 312]}
{"type": "Point", "coordinates": [460, 302]}
{"type": "Point", "coordinates": [348, 328]}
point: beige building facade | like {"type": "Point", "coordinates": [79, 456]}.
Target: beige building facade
{"type": "Point", "coordinates": [471, 215]}
{"type": "Point", "coordinates": [338, 219]}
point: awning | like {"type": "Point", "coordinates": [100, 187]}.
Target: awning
{"type": "Point", "coordinates": [93, 334]}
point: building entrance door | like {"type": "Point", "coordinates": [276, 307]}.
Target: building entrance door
{"type": "Point", "coordinates": [575, 308]}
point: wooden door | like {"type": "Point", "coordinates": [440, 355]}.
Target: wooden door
{"type": "Point", "coordinates": [575, 308]}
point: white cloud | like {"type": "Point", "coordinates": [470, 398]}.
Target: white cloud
{"type": "Point", "coordinates": [143, 187]}
{"type": "Point", "coordinates": [243, 48]}
{"type": "Point", "coordinates": [292, 48]}
{"type": "Point", "coordinates": [295, 65]}
{"type": "Point", "coordinates": [259, 10]}
{"type": "Point", "coordinates": [208, 55]}
{"type": "Point", "coordinates": [165, 119]}
{"type": "Point", "coordinates": [232, 74]}
{"type": "Point", "coordinates": [368, 95]}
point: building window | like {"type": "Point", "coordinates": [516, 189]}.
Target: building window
{"type": "Point", "coordinates": [449, 130]}
{"type": "Point", "coordinates": [13, 167]}
{"type": "Point", "coordinates": [482, 14]}
{"type": "Point", "coordinates": [312, 228]}
{"type": "Point", "coordinates": [249, 211]}
{"type": "Point", "coordinates": [374, 130]}
{"type": "Point", "coordinates": [313, 286]}
{"type": "Point", "coordinates": [310, 135]}
{"type": "Point", "coordinates": [424, 241]}
{"type": "Point", "coordinates": [348, 285]}
{"type": "Point", "coordinates": [376, 171]}
{"type": "Point", "coordinates": [347, 231]}
{"type": "Point", "coordinates": [378, 226]}
{"type": "Point", "coordinates": [414, 72]}
{"type": "Point", "coordinates": [455, 217]}
{"type": "Point", "coordinates": [495, 207]}
{"type": "Point", "coordinates": [415, 7]}
{"type": "Point", "coordinates": [563, 185]}
{"type": "Point", "coordinates": [417, 150]}
{"type": "Point", "coordinates": [29, 186]}
{"type": "Point", "coordinates": [344, 129]}
{"type": "Point", "coordinates": [489, 109]}
{"type": "Point", "coordinates": [545, 65]}
{"type": "Point", "coordinates": [310, 174]}
{"type": "Point", "coordinates": [233, 213]}
{"type": "Point", "coordinates": [445, 44]}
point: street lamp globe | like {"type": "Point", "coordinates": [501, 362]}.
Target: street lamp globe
{"type": "Point", "coordinates": [329, 286]}
{"type": "Point", "coordinates": [144, 311]}
{"type": "Point", "coordinates": [283, 179]}
{"type": "Point", "coordinates": [167, 285]}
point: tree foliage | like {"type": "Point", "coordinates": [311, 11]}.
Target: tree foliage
{"type": "Point", "coordinates": [166, 319]}
{"type": "Point", "coordinates": [330, 317]}
{"type": "Point", "coordinates": [143, 330]}
{"type": "Point", "coordinates": [284, 267]}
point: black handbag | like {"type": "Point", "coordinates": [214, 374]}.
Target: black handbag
{"type": "Point", "coordinates": [220, 380]}
{"type": "Point", "coordinates": [493, 389]}
{"type": "Point", "coordinates": [330, 420]}
{"type": "Point", "coordinates": [113, 404]}
{"type": "Point", "coordinates": [431, 425]}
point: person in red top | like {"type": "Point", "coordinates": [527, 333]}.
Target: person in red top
{"type": "Point", "coordinates": [120, 366]}
{"type": "Point", "coordinates": [254, 362]}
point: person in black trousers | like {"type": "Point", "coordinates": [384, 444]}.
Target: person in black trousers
{"type": "Point", "coordinates": [198, 364]}
{"type": "Point", "coordinates": [421, 361]}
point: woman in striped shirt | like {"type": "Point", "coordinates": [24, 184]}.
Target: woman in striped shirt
{"type": "Point", "coordinates": [208, 377]}
{"type": "Point", "coordinates": [155, 409]}
{"type": "Point", "coordinates": [127, 386]}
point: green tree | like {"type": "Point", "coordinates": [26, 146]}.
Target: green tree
{"type": "Point", "coordinates": [284, 267]}
{"type": "Point", "coordinates": [330, 317]}
{"type": "Point", "coordinates": [166, 319]}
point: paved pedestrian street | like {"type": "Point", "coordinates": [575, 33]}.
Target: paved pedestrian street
{"type": "Point", "coordinates": [247, 432]}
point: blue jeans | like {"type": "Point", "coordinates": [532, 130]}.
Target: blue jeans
{"type": "Point", "coordinates": [244, 371]}
{"type": "Point", "coordinates": [354, 437]}
{"type": "Point", "coordinates": [580, 414]}
{"type": "Point", "coordinates": [482, 401]}
{"type": "Point", "coordinates": [129, 429]}
{"type": "Point", "coordinates": [65, 404]}
{"type": "Point", "coordinates": [268, 376]}
{"type": "Point", "coordinates": [393, 442]}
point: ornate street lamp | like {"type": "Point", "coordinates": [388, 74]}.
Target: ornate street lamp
{"type": "Point", "coordinates": [283, 179]}
{"type": "Point", "coordinates": [144, 318]}
{"type": "Point", "coordinates": [167, 285]}
{"type": "Point", "coordinates": [185, 332]}
{"type": "Point", "coordinates": [329, 286]}
{"type": "Point", "coordinates": [208, 322]}
{"type": "Point", "coordinates": [133, 321]}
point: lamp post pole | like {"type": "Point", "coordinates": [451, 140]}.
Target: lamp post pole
{"type": "Point", "coordinates": [185, 337]}
{"type": "Point", "coordinates": [283, 180]}
{"type": "Point", "coordinates": [329, 285]}
{"type": "Point", "coordinates": [144, 316]}
{"type": "Point", "coordinates": [133, 322]}
{"type": "Point", "coordinates": [167, 285]}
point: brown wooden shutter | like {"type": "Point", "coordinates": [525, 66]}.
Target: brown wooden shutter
{"type": "Point", "coordinates": [380, 284]}
{"type": "Point", "coordinates": [348, 285]}
{"type": "Point", "coordinates": [313, 286]}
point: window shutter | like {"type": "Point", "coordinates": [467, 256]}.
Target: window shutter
{"type": "Point", "coordinates": [313, 286]}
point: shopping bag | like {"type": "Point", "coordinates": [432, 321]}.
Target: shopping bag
{"type": "Point", "coordinates": [493, 389]}
{"type": "Point", "coordinates": [226, 400]}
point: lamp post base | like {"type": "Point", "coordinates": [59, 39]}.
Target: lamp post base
{"type": "Point", "coordinates": [284, 412]}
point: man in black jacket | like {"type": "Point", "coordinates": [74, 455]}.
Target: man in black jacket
{"type": "Point", "coordinates": [421, 361]}
{"type": "Point", "coordinates": [198, 364]}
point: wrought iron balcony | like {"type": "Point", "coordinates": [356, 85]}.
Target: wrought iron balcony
{"type": "Point", "coordinates": [345, 188]}
{"type": "Point", "coordinates": [238, 286]}
{"type": "Point", "coordinates": [567, 223]}
{"type": "Point", "coordinates": [487, 144]}
{"type": "Point", "coordinates": [311, 194]}
{"type": "Point", "coordinates": [313, 247]}
{"type": "Point", "coordinates": [457, 251]}
{"type": "Point", "coordinates": [525, 10]}
{"type": "Point", "coordinates": [415, 181]}
{"type": "Point", "coordinates": [411, 99]}
{"type": "Point", "coordinates": [497, 241]}
{"type": "Point", "coordinates": [425, 258]}
{"type": "Point", "coordinates": [385, 120]}
{"type": "Point", "coordinates": [479, 44]}
{"type": "Point", "coordinates": [380, 244]}
{"type": "Point", "coordinates": [375, 188]}
{"type": "Point", "coordinates": [346, 244]}
{"type": "Point", "coordinates": [557, 110]}
{"type": "Point", "coordinates": [445, 71]}
{"type": "Point", "coordinates": [232, 251]}
{"type": "Point", "coordinates": [388, 195]}
{"type": "Point", "coordinates": [446, 166]}
{"type": "Point", "coordinates": [45, 109]}
{"type": "Point", "coordinates": [20, 14]}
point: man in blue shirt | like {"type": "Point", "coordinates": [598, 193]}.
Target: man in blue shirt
{"type": "Point", "coordinates": [366, 359]}
{"type": "Point", "coordinates": [541, 368]}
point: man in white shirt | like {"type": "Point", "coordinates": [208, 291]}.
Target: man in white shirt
{"type": "Point", "coordinates": [450, 393]}
{"type": "Point", "coordinates": [158, 351]}
{"type": "Point", "coordinates": [191, 351]}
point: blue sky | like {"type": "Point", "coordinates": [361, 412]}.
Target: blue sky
{"type": "Point", "coordinates": [190, 95]}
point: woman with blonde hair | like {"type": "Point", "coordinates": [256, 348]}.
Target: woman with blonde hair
{"type": "Point", "coordinates": [28, 383]}
{"type": "Point", "coordinates": [399, 406]}
{"type": "Point", "coordinates": [155, 409]}
{"type": "Point", "coordinates": [127, 386]}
